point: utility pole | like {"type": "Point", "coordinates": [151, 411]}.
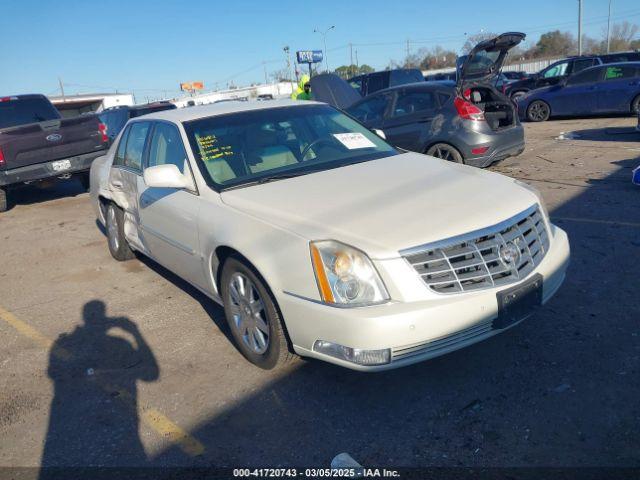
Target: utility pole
{"type": "Point", "coordinates": [408, 53]}
{"type": "Point", "coordinates": [609, 28]}
{"type": "Point", "coordinates": [62, 89]}
{"type": "Point", "coordinates": [351, 61]}
{"type": "Point", "coordinates": [579, 27]}
{"type": "Point", "coordinates": [264, 65]}
{"type": "Point", "coordinates": [357, 64]}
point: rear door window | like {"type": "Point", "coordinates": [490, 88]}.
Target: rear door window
{"type": "Point", "coordinates": [135, 145]}
{"type": "Point", "coordinates": [410, 102]}
{"type": "Point", "coordinates": [619, 72]}
{"type": "Point", "coordinates": [586, 76]}
{"type": "Point", "coordinates": [375, 82]}
{"type": "Point", "coordinates": [21, 111]}
{"type": "Point", "coordinates": [119, 156]}
{"type": "Point", "coordinates": [579, 65]}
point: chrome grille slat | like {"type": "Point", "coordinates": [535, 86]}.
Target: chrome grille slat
{"type": "Point", "coordinates": [473, 261]}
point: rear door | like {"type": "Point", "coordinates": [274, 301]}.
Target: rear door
{"type": "Point", "coordinates": [619, 87]}
{"type": "Point", "coordinates": [168, 216]}
{"type": "Point", "coordinates": [126, 171]}
{"type": "Point", "coordinates": [579, 95]}
{"type": "Point", "coordinates": [410, 118]}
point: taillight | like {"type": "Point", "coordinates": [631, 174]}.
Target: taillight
{"type": "Point", "coordinates": [468, 110]}
{"type": "Point", "coordinates": [103, 130]}
{"type": "Point", "coordinates": [479, 150]}
{"type": "Point", "coordinates": [7, 99]}
{"type": "Point", "coordinates": [2, 161]}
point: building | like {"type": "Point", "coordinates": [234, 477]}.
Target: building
{"type": "Point", "coordinates": [75, 105]}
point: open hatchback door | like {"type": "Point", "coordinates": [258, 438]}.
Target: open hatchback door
{"type": "Point", "coordinates": [483, 63]}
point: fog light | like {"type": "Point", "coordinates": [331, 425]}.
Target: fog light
{"type": "Point", "coordinates": [353, 355]}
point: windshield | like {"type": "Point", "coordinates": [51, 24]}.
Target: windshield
{"type": "Point", "coordinates": [250, 146]}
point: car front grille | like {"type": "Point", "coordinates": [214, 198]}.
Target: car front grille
{"type": "Point", "coordinates": [491, 257]}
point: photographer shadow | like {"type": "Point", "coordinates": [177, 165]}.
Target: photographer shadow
{"type": "Point", "coordinates": [93, 420]}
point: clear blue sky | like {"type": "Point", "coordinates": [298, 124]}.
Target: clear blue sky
{"type": "Point", "coordinates": [150, 46]}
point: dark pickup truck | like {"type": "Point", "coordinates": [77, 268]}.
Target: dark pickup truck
{"type": "Point", "coordinates": [36, 143]}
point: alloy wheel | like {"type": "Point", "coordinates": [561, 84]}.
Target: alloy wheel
{"type": "Point", "coordinates": [248, 312]}
{"type": "Point", "coordinates": [538, 111]}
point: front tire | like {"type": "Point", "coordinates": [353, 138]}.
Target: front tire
{"type": "Point", "coordinates": [445, 152]}
{"type": "Point", "coordinates": [253, 316]}
{"type": "Point", "coordinates": [84, 180]}
{"type": "Point", "coordinates": [635, 105]}
{"type": "Point", "coordinates": [116, 240]}
{"type": "Point", "coordinates": [4, 200]}
{"type": "Point", "coordinates": [538, 111]}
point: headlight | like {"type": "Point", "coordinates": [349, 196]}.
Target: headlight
{"type": "Point", "coordinates": [537, 193]}
{"type": "Point", "coordinates": [345, 275]}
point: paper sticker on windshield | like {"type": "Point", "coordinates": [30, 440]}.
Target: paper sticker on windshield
{"type": "Point", "coordinates": [353, 141]}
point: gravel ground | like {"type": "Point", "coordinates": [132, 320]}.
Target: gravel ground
{"type": "Point", "coordinates": [561, 389]}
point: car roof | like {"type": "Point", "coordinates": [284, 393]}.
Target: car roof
{"type": "Point", "coordinates": [187, 114]}
{"type": "Point", "coordinates": [417, 86]}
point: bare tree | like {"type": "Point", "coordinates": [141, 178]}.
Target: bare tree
{"type": "Point", "coordinates": [622, 36]}
{"type": "Point", "coordinates": [473, 40]}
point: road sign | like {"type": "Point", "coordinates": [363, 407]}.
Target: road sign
{"type": "Point", "coordinates": [309, 56]}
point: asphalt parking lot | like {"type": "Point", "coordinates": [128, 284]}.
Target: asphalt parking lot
{"type": "Point", "coordinates": [561, 389]}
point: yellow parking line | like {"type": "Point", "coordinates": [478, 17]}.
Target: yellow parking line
{"type": "Point", "coordinates": [593, 220]}
{"type": "Point", "coordinates": [151, 417]}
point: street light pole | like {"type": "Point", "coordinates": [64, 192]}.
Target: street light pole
{"type": "Point", "coordinates": [579, 27]}
{"type": "Point", "coordinates": [324, 39]}
{"type": "Point", "coordinates": [609, 28]}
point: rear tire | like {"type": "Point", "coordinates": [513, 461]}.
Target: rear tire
{"type": "Point", "coordinates": [635, 105]}
{"type": "Point", "coordinates": [253, 316]}
{"type": "Point", "coordinates": [538, 111]}
{"type": "Point", "coordinates": [445, 152]}
{"type": "Point", "coordinates": [4, 200]}
{"type": "Point", "coordinates": [118, 246]}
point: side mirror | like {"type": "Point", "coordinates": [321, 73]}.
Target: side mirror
{"type": "Point", "coordinates": [380, 133]}
{"type": "Point", "coordinates": [165, 176]}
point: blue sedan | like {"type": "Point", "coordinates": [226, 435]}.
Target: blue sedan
{"type": "Point", "coordinates": [604, 89]}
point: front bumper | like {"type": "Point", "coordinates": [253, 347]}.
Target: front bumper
{"type": "Point", "coordinates": [41, 171]}
{"type": "Point", "coordinates": [414, 330]}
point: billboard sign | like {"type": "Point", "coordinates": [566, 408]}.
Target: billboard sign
{"type": "Point", "coordinates": [191, 86]}
{"type": "Point", "coordinates": [309, 56]}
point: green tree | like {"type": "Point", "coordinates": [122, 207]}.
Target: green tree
{"type": "Point", "coordinates": [556, 43]}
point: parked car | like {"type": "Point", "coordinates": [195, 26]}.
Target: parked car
{"type": "Point", "coordinates": [466, 122]}
{"type": "Point", "coordinates": [551, 75]}
{"type": "Point", "coordinates": [368, 83]}
{"type": "Point", "coordinates": [320, 238]}
{"type": "Point", "coordinates": [36, 143]}
{"type": "Point", "coordinates": [117, 117]}
{"type": "Point", "coordinates": [560, 70]}
{"type": "Point", "coordinates": [605, 89]}
{"type": "Point", "coordinates": [515, 75]}
{"type": "Point", "coordinates": [438, 77]}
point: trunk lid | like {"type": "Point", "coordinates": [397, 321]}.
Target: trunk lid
{"type": "Point", "coordinates": [483, 63]}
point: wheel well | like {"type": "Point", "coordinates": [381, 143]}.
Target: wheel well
{"type": "Point", "coordinates": [223, 252]}
{"type": "Point", "coordinates": [636, 98]}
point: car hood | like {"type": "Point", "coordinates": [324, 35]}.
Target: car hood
{"type": "Point", "coordinates": [484, 61]}
{"type": "Point", "coordinates": [385, 205]}
{"type": "Point", "coordinates": [330, 88]}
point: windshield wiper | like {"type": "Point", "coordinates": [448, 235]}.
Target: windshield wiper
{"type": "Point", "coordinates": [274, 177]}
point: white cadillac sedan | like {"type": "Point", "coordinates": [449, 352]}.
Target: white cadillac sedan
{"type": "Point", "coordinates": [321, 239]}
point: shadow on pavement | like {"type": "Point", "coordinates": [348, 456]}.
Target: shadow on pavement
{"type": "Point", "coordinates": [93, 419]}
